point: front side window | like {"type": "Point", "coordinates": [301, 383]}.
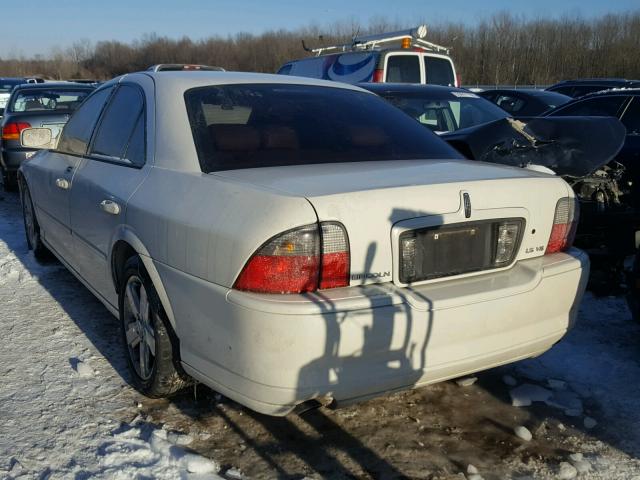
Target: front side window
{"type": "Point", "coordinates": [438, 71]}
{"type": "Point", "coordinates": [403, 69]}
{"type": "Point", "coordinates": [47, 100]}
{"type": "Point", "coordinates": [121, 121]}
{"type": "Point", "coordinates": [77, 131]}
{"type": "Point", "coordinates": [264, 125]}
{"type": "Point", "coordinates": [600, 106]}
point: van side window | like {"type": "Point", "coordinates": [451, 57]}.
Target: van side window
{"type": "Point", "coordinates": [403, 69]}
{"type": "Point", "coordinates": [438, 71]}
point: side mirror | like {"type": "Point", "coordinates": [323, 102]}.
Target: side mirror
{"type": "Point", "coordinates": [38, 138]}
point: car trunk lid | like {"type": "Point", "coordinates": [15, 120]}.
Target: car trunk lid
{"type": "Point", "coordinates": [378, 202]}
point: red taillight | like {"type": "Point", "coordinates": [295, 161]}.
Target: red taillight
{"type": "Point", "coordinates": [565, 224]}
{"type": "Point", "coordinates": [378, 76]}
{"type": "Point", "coordinates": [11, 131]}
{"type": "Point", "coordinates": [301, 260]}
{"type": "Point", "coordinates": [458, 80]}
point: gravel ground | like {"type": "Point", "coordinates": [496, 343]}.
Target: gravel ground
{"type": "Point", "coordinates": [67, 409]}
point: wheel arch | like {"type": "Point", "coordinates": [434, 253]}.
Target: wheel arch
{"type": "Point", "coordinates": [126, 244]}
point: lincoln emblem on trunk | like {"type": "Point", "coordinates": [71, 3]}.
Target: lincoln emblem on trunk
{"type": "Point", "coordinates": [467, 205]}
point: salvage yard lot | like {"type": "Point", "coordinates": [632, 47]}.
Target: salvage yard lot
{"type": "Point", "coordinates": [67, 409]}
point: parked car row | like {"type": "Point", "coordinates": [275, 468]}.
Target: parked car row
{"type": "Point", "coordinates": [35, 105]}
{"type": "Point", "coordinates": [290, 241]}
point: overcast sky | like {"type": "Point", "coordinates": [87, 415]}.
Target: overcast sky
{"type": "Point", "coordinates": [35, 27]}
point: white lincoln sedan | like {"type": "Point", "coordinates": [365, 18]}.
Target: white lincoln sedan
{"type": "Point", "coordinates": [289, 241]}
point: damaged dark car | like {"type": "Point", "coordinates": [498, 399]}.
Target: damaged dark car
{"type": "Point", "coordinates": [593, 152]}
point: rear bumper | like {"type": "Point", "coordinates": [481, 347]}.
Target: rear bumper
{"type": "Point", "coordinates": [271, 353]}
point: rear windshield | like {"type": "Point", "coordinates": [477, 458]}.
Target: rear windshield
{"type": "Point", "coordinates": [446, 114]}
{"type": "Point", "coordinates": [438, 71]}
{"type": "Point", "coordinates": [265, 125]}
{"type": "Point", "coordinates": [48, 100]}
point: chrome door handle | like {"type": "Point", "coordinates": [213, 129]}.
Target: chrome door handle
{"type": "Point", "coordinates": [110, 207]}
{"type": "Point", "coordinates": [62, 183]}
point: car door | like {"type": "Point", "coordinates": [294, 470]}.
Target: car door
{"type": "Point", "coordinates": [51, 186]}
{"type": "Point", "coordinates": [107, 177]}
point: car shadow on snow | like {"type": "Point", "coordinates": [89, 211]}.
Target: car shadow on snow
{"type": "Point", "coordinates": [83, 308]}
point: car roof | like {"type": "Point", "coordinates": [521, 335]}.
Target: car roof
{"type": "Point", "coordinates": [410, 88]}
{"type": "Point", "coordinates": [48, 85]}
{"type": "Point", "coordinates": [184, 80]}
{"type": "Point", "coordinates": [534, 92]}
{"type": "Point", "coordinates": [613, 91]}
{"type": "Point", "coordinates": [599, 81]}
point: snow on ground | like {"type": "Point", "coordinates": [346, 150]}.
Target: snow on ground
{"type": "Point", "coordinates": [68, 411]}
{"type": "Point", "coordinates": [63, 391]}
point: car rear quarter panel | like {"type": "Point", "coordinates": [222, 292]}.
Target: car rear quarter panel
{"type": "Point", "coordinates": [209, 227]}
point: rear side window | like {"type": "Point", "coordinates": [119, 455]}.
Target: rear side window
{"type": "Point", "coordinates": [509, 103]}
{"type": "Point", "coordinates": [563, 90]}
{"type": "Point", "coordinates": [119, 123]}
{"type": "Point", "coordinates": [601, 106]}
{"type": "Point", "coordinates": [264, 125]}
{"type": "Point", "coordinates": [403, 69]}
{"type": "Point", "coordinates": [77, 131]}
{"type": "Point", "coordinates": [438, 71]}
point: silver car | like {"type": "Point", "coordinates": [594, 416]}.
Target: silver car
{"type": "Point", "coordinates": [286, 240]}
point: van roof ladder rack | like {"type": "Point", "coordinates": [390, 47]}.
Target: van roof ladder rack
{"type": "Point", "coordinates": [416, 37]}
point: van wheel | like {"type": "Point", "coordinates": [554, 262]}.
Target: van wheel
{"type": "Point", "coordinates": [32, 228]}
{"type": "Point", "coordinates": [152, 353]}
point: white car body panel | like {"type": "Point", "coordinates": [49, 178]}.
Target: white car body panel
{"type": "Point", "coordinates": [195, 232]}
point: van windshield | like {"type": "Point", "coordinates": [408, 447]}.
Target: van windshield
{"type": "Point", "coordinates": [266, 125]}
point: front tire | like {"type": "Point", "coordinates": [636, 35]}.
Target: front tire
{"type": "Point", "coordinates": [152, 353]}
{"type": "Point", "coordinates": [32, 228]}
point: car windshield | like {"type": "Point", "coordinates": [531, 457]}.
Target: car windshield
{"type": "Point", "coordinates": [443, 114]}
{"type": "Point", "coordinates": [48, 100]}
{"type": "Point", "coordinates": [264, 125]}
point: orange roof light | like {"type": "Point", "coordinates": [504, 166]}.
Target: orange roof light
{"type": "Point", "coordinates": [406, 42]}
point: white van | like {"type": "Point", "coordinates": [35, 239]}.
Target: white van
{"type": "Point", "coordinates": [375, 58]}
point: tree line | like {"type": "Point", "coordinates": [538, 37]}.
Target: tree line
{"type": "Point", "coordinates": [502, 49]}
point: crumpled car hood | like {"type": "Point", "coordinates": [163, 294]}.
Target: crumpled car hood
{"type": "Point", "coordinates": [570, 146]}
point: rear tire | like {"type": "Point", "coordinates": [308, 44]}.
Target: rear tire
{"type": "Point", "coordinates": [151, 346]}
{"type": "Point", "coordinates": [9, 181]}
{"type": "Point", "coordinates": [32, 228]}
